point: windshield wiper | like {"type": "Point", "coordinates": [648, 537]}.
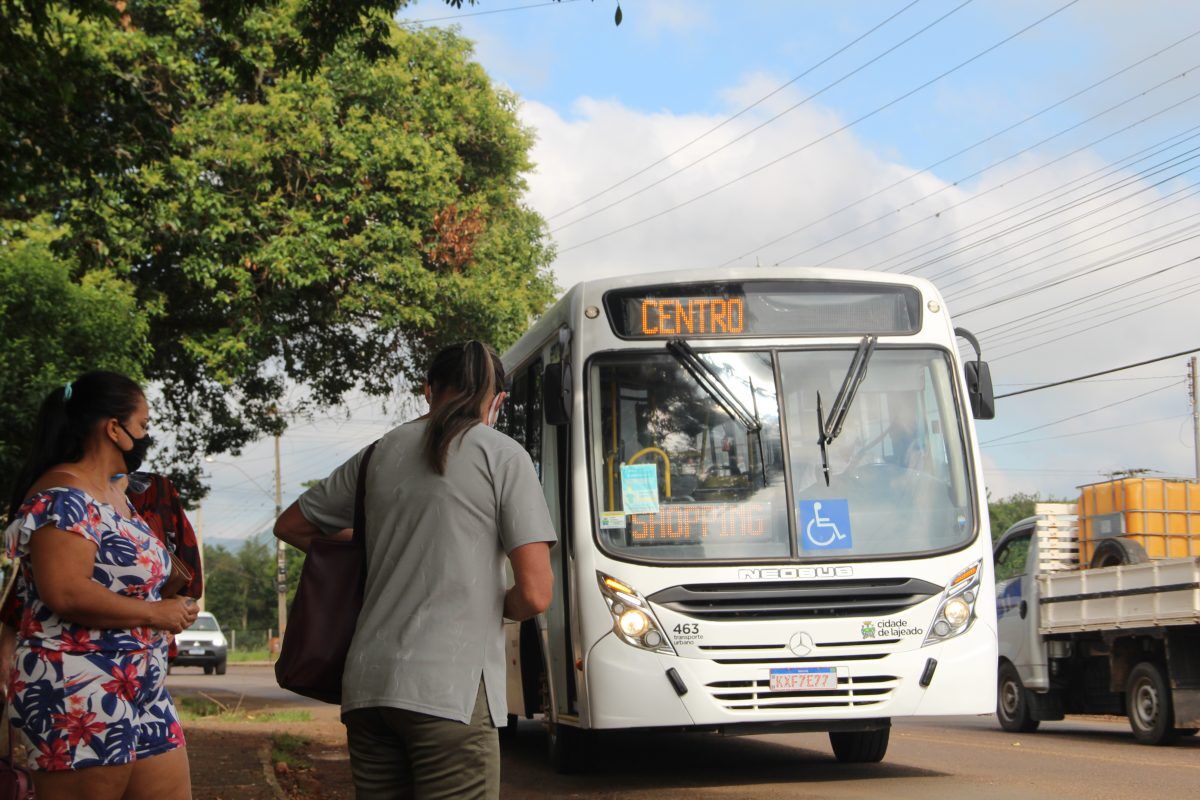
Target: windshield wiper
{"type": "Point", "coordinates": [711, 382]}
{"type": "Point", "coordinates": [830, 429]}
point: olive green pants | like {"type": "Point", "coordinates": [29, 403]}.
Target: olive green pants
{"type": "Point", "coordinates": [397, 754]}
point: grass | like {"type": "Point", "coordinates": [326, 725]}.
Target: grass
{"type": "Point", "coordinates": [286, 747]}
{"type": "Point", "coordinates": [192, 708]}
{"type": "Point", "coordinates": [249, 655]}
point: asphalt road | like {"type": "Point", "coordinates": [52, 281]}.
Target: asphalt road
{"type": "Point", "coordinates": [966, 758]}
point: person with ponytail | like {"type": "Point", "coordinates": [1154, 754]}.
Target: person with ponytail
{"type": "Point", "coordinates": [87, 692]}
{"type": "Point", "coordinates": [448, 499]}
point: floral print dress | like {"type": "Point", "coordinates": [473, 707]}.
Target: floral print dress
{"type": "Point", "coordinates": [82, 696]}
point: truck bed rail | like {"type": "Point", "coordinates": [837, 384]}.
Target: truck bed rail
{"type": "Point", "coordinates": [1157, 593]}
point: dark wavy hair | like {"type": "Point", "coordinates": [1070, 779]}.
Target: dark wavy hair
{"type": "Point", "coordinates": [65, 421]}
{"type": "Point", "coordinates": [469, 372]}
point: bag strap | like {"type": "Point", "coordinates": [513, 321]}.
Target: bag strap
{"type": "Point", "coordinates": [360, 497]}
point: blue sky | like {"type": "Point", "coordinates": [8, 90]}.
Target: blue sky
{"type": "Point", "coordinates": [605, 101]}
{"type": "Point", "coordinates": [683, 56]}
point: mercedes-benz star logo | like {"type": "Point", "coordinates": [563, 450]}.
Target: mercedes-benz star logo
{"type": "Point", "coordinates": [801, 644]}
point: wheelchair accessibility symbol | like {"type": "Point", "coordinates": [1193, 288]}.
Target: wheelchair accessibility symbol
{"type": "Point", "coordinates": [825, 525]}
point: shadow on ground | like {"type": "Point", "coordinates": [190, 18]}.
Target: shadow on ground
{"type": "Point", "coordinates": [645, 762]}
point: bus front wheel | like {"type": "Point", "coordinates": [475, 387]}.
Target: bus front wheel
{"type": "Point", "coordinates": [860, 747]}
{"type": "Point", "coordinates": [566, 748]}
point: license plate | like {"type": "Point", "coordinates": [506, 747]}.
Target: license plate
{"type": "Point", "coordinates": [196, 651]}
{"type": "Point", "coordinates": [803, 679]}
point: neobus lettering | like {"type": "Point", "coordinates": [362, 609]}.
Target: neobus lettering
{"type": "Point", "coordinates": [791, 573]}
{"type": "Point", "coordinates": [674, 316]}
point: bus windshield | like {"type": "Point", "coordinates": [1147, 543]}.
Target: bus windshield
{"type": "Point", "coordinates": [680, 475]}
{"type": "Point", "coordinates": [897, 472]}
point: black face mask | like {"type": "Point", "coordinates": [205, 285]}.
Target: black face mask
{"type": "Point", "coordinates": [137, 454]}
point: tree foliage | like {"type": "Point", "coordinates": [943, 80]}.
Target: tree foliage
{"type": "Point", "coordinates": [54, 326]}
{"type": "Point", "coordinates": [239, 585]}
{"type": "Point", "coordinates": [1010, 510]}
{"type": "Point", "coordinates": [299, 194]}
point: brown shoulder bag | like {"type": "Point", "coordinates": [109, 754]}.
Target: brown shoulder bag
{"type": "Point", "coordinates": [325, 612]}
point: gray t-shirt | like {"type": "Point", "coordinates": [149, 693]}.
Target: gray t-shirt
{"type": "Point", "coordinates": [432, 616]}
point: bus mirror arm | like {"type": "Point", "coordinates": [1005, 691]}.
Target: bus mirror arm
{"type": "Point", "coordinates": [979, 380]}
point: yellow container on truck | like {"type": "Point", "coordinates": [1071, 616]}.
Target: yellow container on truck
{"type": "Point", "coordinates": [1160, 514]}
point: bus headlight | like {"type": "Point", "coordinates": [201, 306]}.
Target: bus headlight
{"type": "Point", "coordinates": [633, 621]}
{"type": "Point", "coordinates": [957, 609]}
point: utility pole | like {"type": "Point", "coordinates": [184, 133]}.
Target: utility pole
{"type": "Point", "coordinates": [280, 549]}
{"type": "Point", "coordinates": [1194, 381]}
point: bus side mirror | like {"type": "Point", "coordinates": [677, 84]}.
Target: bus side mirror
{"type": "Point", "coordinates": [979, 380]}
{"type": "Point", "coordinates": [979, 389]}
{"type": "Point", "coordinates": [556, 393]}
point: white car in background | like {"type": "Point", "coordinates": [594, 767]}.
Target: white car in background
{"type": "Point", "coordinates": [202, 645]}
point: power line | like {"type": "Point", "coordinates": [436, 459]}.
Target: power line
{"type": "Point", "coordinates": [999, 186]}
{"type": "Point", "coordinates": [1087, 432]}
{"type": "Point", "coordinates": [732, 117]}
{"type": "Point", "coordinates": [1155, 244]}
{"type": "Point", "coordinates": [1172, 299]}
{"type": "Point", "coordinates": [1081, 414]}
{"type": "Point", "coordinates": [844, 127]}
{"type": "Point", "coordinates": [1084, 272]}
{"type": "Point", "coordinates": [482, 13]}
{"type": "Point", "coordinates": [1097, 194]}
{"type": "Point", "coordinates": [1105, 380]}
{"type": "Point", "coordinates": [1011, 268]}
{"type": "Point", "coordinates": [967, 149]}
{"type": "Point", "coordinates": [1053, 324]}
{"type": "Point", "coordinates": [763, 124]}
{"type": "Point", "coordinates": [1057, 192]}
{"type": "Point", "coordinates": [1154, 360]}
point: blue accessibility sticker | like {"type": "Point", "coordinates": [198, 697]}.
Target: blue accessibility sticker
{"type": "Point", "coordinates": [825, 525]}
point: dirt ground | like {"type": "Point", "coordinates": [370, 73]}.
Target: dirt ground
{"type": "Point", "coordinates": [233, 759]}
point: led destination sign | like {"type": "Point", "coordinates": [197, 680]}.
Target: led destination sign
{"type": "Point", "coordinates": [680, 316]}
{"type": "Point", "coordinates": [692, 523]}
{"type": "Point", "coordinates": [764, 308]}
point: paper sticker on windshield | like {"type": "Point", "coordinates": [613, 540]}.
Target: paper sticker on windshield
{"type": "Point", "coordinates": [639, 488]}
{"type": "Point", "coordinates": [825, 525]}
{"type": "Point", "coordinates": [612, 520]}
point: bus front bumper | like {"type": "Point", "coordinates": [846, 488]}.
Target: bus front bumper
{"type": "Point", "coordinates": [631, 688]}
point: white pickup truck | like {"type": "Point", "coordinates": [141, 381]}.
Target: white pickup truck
{"type": "Point", "coordinates": [1113, 640]}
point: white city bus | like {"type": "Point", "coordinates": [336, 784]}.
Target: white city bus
{"type": "Point", "coordinates": [771, 514]}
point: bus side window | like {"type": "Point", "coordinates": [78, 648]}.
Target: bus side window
{"type": "Point", "coordinates": [533, 416]}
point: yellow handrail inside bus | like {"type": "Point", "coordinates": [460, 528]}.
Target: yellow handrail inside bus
{"type": "Point", "coordinates": [666, 463]}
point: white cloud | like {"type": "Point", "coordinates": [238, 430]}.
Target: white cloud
{"type": "Point", "coordinates": [672, 17]}
{"type": "Point", "coordinates": [601, 142]}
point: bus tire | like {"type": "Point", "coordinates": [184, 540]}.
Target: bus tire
{"type": "Point", "coordinates": [566, 748]}
{"type": "Point", "coordinates": [1012, 702]}
{"type": "Point", "coordinates": [1118, 552]}
{"type": "Point", "coordinates": [859, 747]}
{"type": "Point", "coordinates": [1148, 704]}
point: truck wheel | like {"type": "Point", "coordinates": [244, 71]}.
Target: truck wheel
{"type": "Point", "coordinates": [1117, 552]}
{"type": "Point", "coordinates": [208, 669]}
{"type": "Point", "coordinates": [859, 747]}
{"type": "Point", "coordinates": [221, 666]}
{"type": "Point", "coordinates": [566, 748]}
{"type": "Point", "coordinates": [1012, 702]}
{"type": "Point", "coordinates": [1148, 701]}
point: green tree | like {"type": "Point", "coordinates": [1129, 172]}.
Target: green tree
{"type": "Point", "coordinates": [1014, 508]}
{"type": "Point", "coordinates": [292, 210]}
{"type": "Point", "coordinates": [53, 327]}
{"type": "Point", "coordinates": [225, 587]}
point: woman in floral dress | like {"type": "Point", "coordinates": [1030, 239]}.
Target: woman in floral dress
{"type": "Point", "coordinates": [87, 688]}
